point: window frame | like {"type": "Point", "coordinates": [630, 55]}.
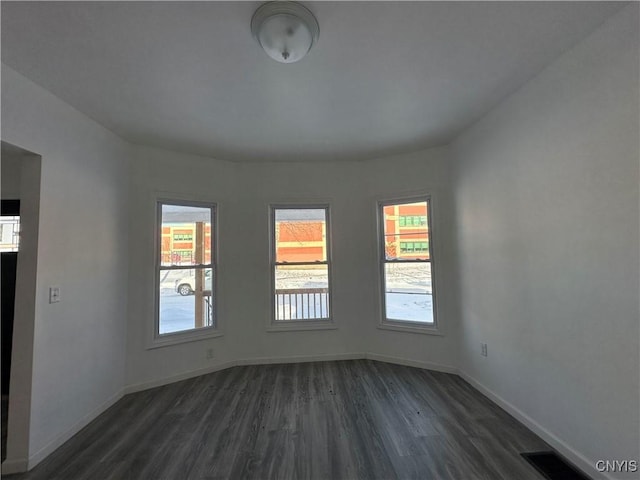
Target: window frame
{"type": "Point", "coordinates": [11, 208]}
{"type": "Point", "coordinates": [173, 338]}
{"type": "Point", "coordinates": [406, 325]}
{"type": "Point", "coordinates": [274, 325]}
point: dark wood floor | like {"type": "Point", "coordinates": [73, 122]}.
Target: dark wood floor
{"type": "Point", "coordinates": [333, 420]}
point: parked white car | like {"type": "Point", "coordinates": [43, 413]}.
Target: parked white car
{"type": "Point", "coordinates": [185, 286]}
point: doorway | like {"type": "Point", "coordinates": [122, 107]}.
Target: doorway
{"type": "Point", "coordinates": [20, 177]}
{"type": "Point", "coordinates": [9, 247]}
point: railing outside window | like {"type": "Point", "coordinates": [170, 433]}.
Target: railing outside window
{"type": "Point", "coordinates": [300, 260]}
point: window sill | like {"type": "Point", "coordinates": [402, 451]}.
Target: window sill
{"type": "Point", "coordinates": [302, 326]}
{"type": "Point", "coordinates": [412, 328]}
{"type": "Point", "coordinates": [183, 337]}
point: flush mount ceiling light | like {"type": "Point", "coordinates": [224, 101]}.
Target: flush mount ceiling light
{"type": "Point", "coordinates": [286, 30]}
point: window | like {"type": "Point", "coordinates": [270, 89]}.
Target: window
{"type": "Point", "coordinates": [300, 259]}
{"type": "Point", "coordinates": [186, 268]}
{"type": "Point", "coordinates": [182, 237]}
{"type": "Point", "coordinates": [412, 220]}
{"type": "Point", "coordinates": [406, 263]}
{"type": "Point", "coordinates": [9, 233]}
{"type": "Point", "coordinates": [410, 247]}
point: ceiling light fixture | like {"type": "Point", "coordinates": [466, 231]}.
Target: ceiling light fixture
{"type": "Point", "coordinates": [286, 30]}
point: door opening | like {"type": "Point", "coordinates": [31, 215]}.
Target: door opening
{"type": "Point", "coordinates": [9, 245]}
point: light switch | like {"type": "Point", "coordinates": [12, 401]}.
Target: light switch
{"type": "Point", "coordinates": [54, 294]}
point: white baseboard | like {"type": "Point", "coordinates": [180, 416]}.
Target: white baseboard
{"type": "Point", "coordinates": [57, 442]}
{"type": "Point", "coordinates": [412, 363]}
{"type": "Point", "coordinates": [159, 382]}
{"type": "Point", "coordinates": [575, 457]}
{"type": "Point", "coordinates": [301, 359]}
{"type": "Point", "coordinates": [138, 387]}
{"type": "Point", "coordinates": [14, 466]}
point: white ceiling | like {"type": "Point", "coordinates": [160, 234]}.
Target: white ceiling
{"type": "Point", "coordinates": [384, 77]}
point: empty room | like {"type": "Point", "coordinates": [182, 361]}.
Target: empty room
{"type": "Point", "coordinates": [320, 240]}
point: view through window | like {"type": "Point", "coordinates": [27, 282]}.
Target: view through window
{"type": "Point", "coordinates": [300, 261]}
{"type": "Point", "coordinates": [186, 268]}
{"type": "Point", "coordinates": [9, 233]}
{"type": "Point", "coordinates": [406, 262]}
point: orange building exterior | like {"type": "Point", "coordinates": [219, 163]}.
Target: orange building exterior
{"type": "Point", "coordinates": [178, 244]}
{"type": "Point", "coordinates": [301, 241]}
{"type": "Point", "coordinates": [406, 231]}
{"type": "Point", "coordinates": [406, 237]}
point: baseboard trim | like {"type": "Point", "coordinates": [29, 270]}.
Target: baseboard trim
{"type": "Point", "coordinates": [14, 466]}
{"type": "Point", "coordinates": [159, 382]}
{"type": "Point", "coordinates": [301, 359]}
{"type": "Point", "coordinates": [330, 357]}
{"type": "Point", "coordinates": [412, 363]}
{"type": "Point", "coordinates": [57, 442]}
{"type": "Point", "coordinates": [575, 457]}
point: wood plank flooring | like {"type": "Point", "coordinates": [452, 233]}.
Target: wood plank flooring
{"type": "Point", "coordinates": [357, 419]}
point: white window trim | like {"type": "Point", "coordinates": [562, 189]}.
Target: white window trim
{"type": "Point", "coordinates": [174, 338]}
{"type": "Point", "coordinates": [406, 325]}
{"type": "Point", "coordinates": [274, 325]}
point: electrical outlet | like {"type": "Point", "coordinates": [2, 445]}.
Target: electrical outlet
{"type": "Point", "coordinates": [209, 353]}
{"type": "Point", "coordinates": [483, 349]}
{"type": "Point", "coordinates": [54, 294]}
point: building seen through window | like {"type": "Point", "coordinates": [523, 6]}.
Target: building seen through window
{"type": "Point", "coordinates": [300, 262]}
{"type": "Point", "coordinates": [186, 268]}
{"type": "Point", "coordinates": [405, 263]}
{"type": "Point", "coordinates": [9, 233]}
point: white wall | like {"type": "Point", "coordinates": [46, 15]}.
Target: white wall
{"type": "Point", "coordinates": [10, 176]}
{"type": "Point", "coordinates": [79, 343]}
{"type": "Point", "coordinates": [546, 195]}
{"type": "Point", "coordinates": [243, 193]}
{"type": "Point", "coordinates": [426, 171]}
{"type": "Point", "coordinates": [170, 174]}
